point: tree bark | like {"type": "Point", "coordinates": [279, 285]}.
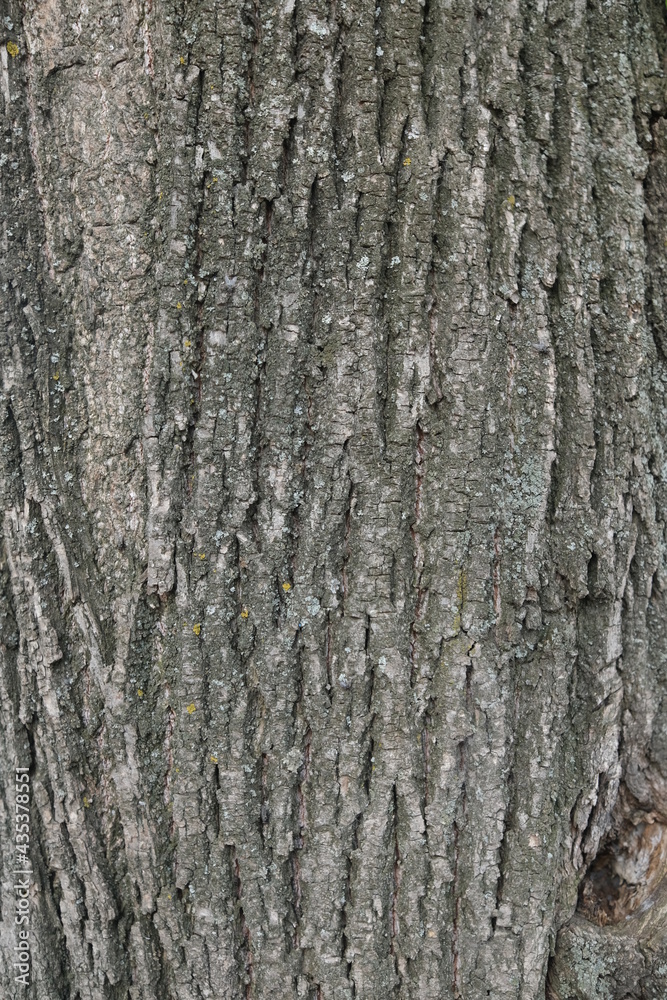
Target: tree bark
{"type": "Point", "coordinates": [333, 571]}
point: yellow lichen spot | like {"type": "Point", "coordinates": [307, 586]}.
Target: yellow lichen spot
{"type": "Point", "coordinates": [196, 628]}
{"type": "Point", "coordinates": [245, 613]}
{"type": "Point", "coordinates": [140, 692]}
{"type": "Point", "coordinates": [179, 305]}
{"type": "Point", "coordinates": [13, 49]}
{"type": "Point", "coordinates": [202, 555]}
{"type": "Point", "coordinates": [191, 708]}
{"type": "Point", "coordinates": [56, 376]}
{"type": "Point", "coordinates": [168, 896]}
{"type": "Point", "coordinates": [213, 758]}
{"type": "Point", "coordinates": [181, 60]}
{"type": "Point", "coordinates": [86, 801]}
{"type": "Point", "coordinates": [177, 769]}
{"type": "Point", "coordinates": [407, 161]}
{"type": "Point", "coordinates": [159, 197]}
{"type": "Point", "coordinates": [287, 586]}
{"type": "Point", "coordinates": [511, 201]}
{"type": "Point", "coordinates": [214, 181]}
{"type": "Point", "coordinates": [188, 343]}
{"type": "Point", "coordinates": [185, 282]}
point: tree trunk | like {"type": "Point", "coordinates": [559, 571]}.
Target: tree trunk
{"type": "Point", "coordinates": [334, 352]}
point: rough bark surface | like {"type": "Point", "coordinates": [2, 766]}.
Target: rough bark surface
{"type": "Point", "coordinates": [332, 600]}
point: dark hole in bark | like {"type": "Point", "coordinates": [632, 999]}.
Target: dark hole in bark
{"type": "Point", "coordinates": [624, 875]}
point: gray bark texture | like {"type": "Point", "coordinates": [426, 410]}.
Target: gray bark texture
{"type": "Point", "coordinates": [333, 568]}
